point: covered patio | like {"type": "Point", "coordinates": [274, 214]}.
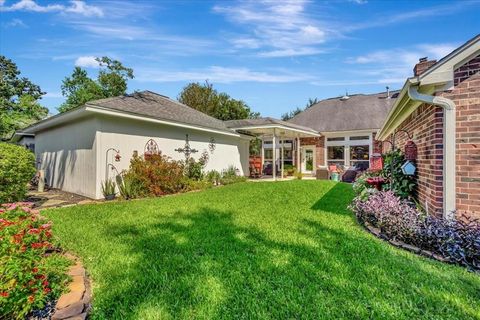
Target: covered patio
{"type": "Point", "coordinates": [279, 134]}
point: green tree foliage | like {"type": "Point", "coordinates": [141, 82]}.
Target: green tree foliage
{"type": "Point", "coordinates": [19, 97]}
{"type": "Point", "coordinates": [17, 167]}
{"type": "Point", "coordinates": [204, 98]}
{"type": "Point", "coordinates": [289, 115]}
{"type": "Point", "coordinates": [111, 81]}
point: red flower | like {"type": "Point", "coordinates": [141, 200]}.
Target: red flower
{"type": "Point", "coordinates": [23, 248]}
{"type": "Point", "coordinates": [4, 294]}
{"type": "Point", "coordinates": [40, 276]}
{"type": "Point", "coordinates": [34, 231]}
{"type": "Point", "coordinates": [37, 245]}
{"type": "Point", "coordinates": [45, 283]}
{"type": "Point", "coordinates": [35, 270]}
{"type": "Point", "coordinates": [46, 290]}
{"type": "Point", "coordinates": [45, 226]}
{"type": "Point", "coordinates": [31, 299]}
{"type": "Point", "coordinates": [48, 234]}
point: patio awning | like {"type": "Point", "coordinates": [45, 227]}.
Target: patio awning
{"type": "Point", "coordinates": [271, 127]}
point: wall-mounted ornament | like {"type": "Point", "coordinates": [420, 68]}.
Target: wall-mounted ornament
{"type": "Point", "coordinates": [408, 168]}
{"type": "Point", "coordinates": [212, 145]}
{"type": "Point", "coordinates": [186, 150]}
{"type": "Point", "coordinates": [410, 150]}
{"type": "Point", "coordinates": [151, 147]}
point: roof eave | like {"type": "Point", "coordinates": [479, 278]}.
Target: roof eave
{"type": "Point", "coordinates": [273, 126]}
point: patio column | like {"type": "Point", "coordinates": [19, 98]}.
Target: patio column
{"type": "Point", "coordinates": [274, 156]}
{"type": "Point", "coordinates": [299, 166]}
{"type": "Point", "coordinates": [262, 157]}
{"type": "Point", "coordinates": [281, 157]}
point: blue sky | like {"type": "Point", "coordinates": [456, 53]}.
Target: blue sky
{"type": "Point", "coordinates": [272, 54]}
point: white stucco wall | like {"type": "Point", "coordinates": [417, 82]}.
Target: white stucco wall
{"type": "Point", "coordinates": [128, 136]}
{"type": "Point", "coordinates": [68, 156]}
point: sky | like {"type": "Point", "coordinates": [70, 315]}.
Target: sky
{"type": "Point", "coordinates": [274, 55]}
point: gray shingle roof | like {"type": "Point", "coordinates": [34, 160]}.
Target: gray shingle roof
{"type": "Point", "coordinates": [360, 111]}
{"type": "Point", "coordinates": [238, 124]}
{"type": "Point", "coordinates": [154, 105]}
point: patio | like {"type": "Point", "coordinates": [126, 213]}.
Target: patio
{"type": "Point", "coordinates": [278, 132]}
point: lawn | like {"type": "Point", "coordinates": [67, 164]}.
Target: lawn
{"type": "Point", "coordinates": [255, 251]}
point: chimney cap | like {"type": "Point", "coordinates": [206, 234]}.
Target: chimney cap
{"type": "Point", "coordinates": [424, 59]}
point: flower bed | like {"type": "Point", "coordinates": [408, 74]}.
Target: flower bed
{"type": "Point", "coordinates": [31, 273]}
{"type": "Point", "coordinates": [458, 241]}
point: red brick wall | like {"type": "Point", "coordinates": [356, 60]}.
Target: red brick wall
{"type": "Point", "coordinates": [466, 95]}
{"type": "Point", "coordinates": [319, 143]}
{"type": "Point", "coordinates": [426, 126]}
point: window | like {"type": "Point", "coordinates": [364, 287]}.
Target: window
{"type": "Point", "coordinates": [336, 155]}
{"type": "Point", "coordinates": [360, 138]}
{"type": "Point", "coordinates": [360, 156]}
{"type": "Point", "coordinates": [336, 139]}
{"type": "Point", "coordinates": [268, 154]}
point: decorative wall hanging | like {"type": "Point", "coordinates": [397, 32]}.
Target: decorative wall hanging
{"type": "Point", "coordinates": [212, 145]}
{"type": "Point", "coordinates": [186, 150]}
{"type": "Point", "coordinates": [151, 147]}
{"type": "Point", "coordinates": [408, 168]}
{"type": "Point", "coordinates": [410, 150]}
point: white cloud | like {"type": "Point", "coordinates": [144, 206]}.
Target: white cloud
{"type": "Point", "coordinates": [219, 75]}
{"type": "Point", "coordinates": [75, 7]}
{"type": "Point", "coordinates": [276, 28]}
{"type": "Point", "coordinates": [395, 65]}
{"type": "Point", "coordinates": [86, 62]}
{"type": "Point", "coordinates": [15, 23]}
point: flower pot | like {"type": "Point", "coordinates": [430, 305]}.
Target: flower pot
{"type": "Point", "coordinates": [110, 197]}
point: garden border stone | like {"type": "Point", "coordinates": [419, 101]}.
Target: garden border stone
{"type": "Point", "coordinates": [76, 303]}
{"type": "Point", "coordinates": [400, 244]}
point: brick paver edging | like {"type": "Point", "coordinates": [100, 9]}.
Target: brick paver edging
{"type": "Point", "coordinates": [75, 304]}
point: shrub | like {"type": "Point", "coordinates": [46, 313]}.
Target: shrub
{"type": "Point", "coordinates": [403, 185]}
{"type": "Point", "coordinates": [230, 176]}
{"type": "Point", "coordinates": [108, 188]}
{"type": "Point", "coordinates": [127, 186]}
{"type": "Point", "coordinates": [298, 175]}
{"type": "Point", "coordinates": [194, 169]}
{"type": "Point", "coordinates": [363, 189]}
{"type": "Point", "coordinates": [394, 216]}
{"type": "Point", "coordinates": [17, 168]}
{"type": "Point", "coordinates": [157, 175]}
{"type": "Point", "coordinates": [457, 240]}
{"type": "Point", "coordinates": [213, 177]}
{"type": "Point", "coordinates": [28, 277]}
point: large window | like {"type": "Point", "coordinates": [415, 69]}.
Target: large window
{"type": "Point", "coordinates": [360, 156]}
{"type": "Point", "coordinates": [336, 155]}
{"type": "Point", "coordinates": [349, 150]}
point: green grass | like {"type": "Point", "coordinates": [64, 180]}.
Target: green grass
{"type": "Point", "coordinates": [255, 251]}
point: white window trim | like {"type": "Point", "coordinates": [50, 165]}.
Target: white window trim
{"type": "Point", "coordinates": [347, 143]}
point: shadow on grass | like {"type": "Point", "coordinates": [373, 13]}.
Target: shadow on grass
{"type": "Point", "coordinates": [336, 200]}
{"type": "Point", "coordinates": [203, 265]}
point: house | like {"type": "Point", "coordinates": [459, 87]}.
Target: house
{"type": "Point", "coordinates": [439, 107]}
{"type": "Point", "coordinates": [81, 148]}
{"type": "Point", "coordinates": [24, 139]}
{"type": "Point", "coordinates": [348, 126]}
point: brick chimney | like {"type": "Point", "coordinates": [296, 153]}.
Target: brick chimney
{"type": "Point", "coordinates": [423, 65]}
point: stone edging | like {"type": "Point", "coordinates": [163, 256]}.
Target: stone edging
{"type": "Point", "coordinates": [75, 304]}
{"type": "Point", "coordinates": [400, 244]}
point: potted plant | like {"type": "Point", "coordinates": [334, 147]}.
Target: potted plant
{"type": "Point", "coordinates": [108, 189]}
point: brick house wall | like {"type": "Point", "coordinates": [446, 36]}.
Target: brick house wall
{"type": "Point", "coordinates": [319, 143]}
{"type": "Point", "coordinates": [426, 126]}
{"type": "Point", "coordinates": [466, 95]}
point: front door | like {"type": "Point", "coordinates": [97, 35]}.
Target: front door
{"type": "Point", "coordinates": [308, 159]}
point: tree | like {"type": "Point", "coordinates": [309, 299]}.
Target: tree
{"type": "Point", "coordinates": [204, 98]}
{"type": "Point", "coordinates": [289, 115]}
{"type": "Point", "coordinates": [111, 82]}
{"type": "Point", "coordinates": [19, 97]}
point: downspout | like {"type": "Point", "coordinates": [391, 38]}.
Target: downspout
{"type": "Point", "coordinates": [449, 145]}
